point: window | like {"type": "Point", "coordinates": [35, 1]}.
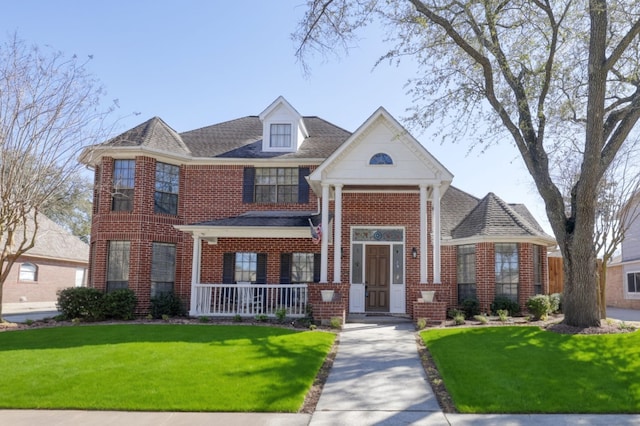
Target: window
{"type": "Point", "coordinates": [28, 272]}
{"type": "Point", "coordinates": [124, 175]}
{"type": "Point", "coordinates": [118, 265]}
{"type": "Point", "coordinates": [302, 268]}
{"type": "Point", "coordinates": [276, 185]}
{"type": "Point", "coordinates": [280, 136]}
{"type": "Point", "coordinates": [507, 272]}
{"type": "Point", "coordinates": [244, 267]}
{"type": "Point", "coordinates": [167, 183]}
{"type": "Point", "coordinates": [163, 268]}
{"type": "Point", "coordinates": [633, 282]}
{"type": "Point", "coordinates": [537, 270]}
{"type": "Point", "coordinates": [466, 272]}
{"type": "Point", "coordinates": [380, 158]}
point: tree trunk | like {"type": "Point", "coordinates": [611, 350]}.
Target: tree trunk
{"type": "Point", "coordinates": [602, 287]}
{"type": "Point", "coordinates": [580, 301]}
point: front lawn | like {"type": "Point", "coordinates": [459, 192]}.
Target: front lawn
{"type": "Point", "coordinates": [160, 367]}
{"type": "Point", "coordinates": [529, 370]}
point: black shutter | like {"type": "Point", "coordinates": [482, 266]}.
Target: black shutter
{"type": "Point", "coordinates": [317, 259]}
{"type": "Point", "coordinates": [261, 273]}
{"type": "Point", "coordinates": [248, 181]}
{"type": "Point", "coordinates": [285, 268]}
{"type": "Point", "coordinates": [228, 266]}
{"type": "Point", "coordinates": [303, 185]}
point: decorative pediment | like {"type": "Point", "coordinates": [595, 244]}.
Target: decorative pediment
{"type": "Point", "coordinates": [381, 153]}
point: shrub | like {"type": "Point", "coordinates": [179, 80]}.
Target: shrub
{"type": "Point", "coordinates": [237, 318]}
{"type": "Point", "coordinates": [482, 319]}
{"type": "Point", "coordinates": [261, 318]}
{"type": "Point", "coordinates": [421, 323]}
{"type": "Point", "coordinates": [556, 302]}
{"type": "Point", "coordinates": [503, 314]}
{"type": "Point", "coordinates": [505, 304]}
{"type": "Point", "coordinates": [167, 304]}
{"type": "Point", "coordinates": [458, 318]}
{"type": "Point", "coordinates": [281, 314]}
{"type": "Point", "coordinates": [82, 303]}
{"type": "Point", "coordinates": [471, 307]}
{"type": "Point", "coordinates": [120, 304]}
{"type": "Point", "coordinates": [335, 322]}
{"type": "Point", "coordinates": [539, 306]}
{"type": "Point", "coordinates": [452, 313]}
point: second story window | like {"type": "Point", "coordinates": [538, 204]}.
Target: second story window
{"type": "Point", "coordinates": [280, 136]}
{"type": "Point", "coordinates": [165, 198]}
{"type": "Point", "coordinates": [276, 185]}
{"type": "Point", "coordinates": [124, 176]}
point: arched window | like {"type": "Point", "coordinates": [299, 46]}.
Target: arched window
{"type": "Point", "coordinates": [28, 272]}
{"type": "Point", "coordinates": [380, 158]}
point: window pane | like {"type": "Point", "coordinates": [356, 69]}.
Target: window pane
{"type": "Point", "coordinates": [246, 267]}
{"type": "Point", "coordinates": [163, 262]}
{"type": "Point", "coordinates": [167, 184]}
{"type": "Point", "coordinates": [28, 272]}
{"type": "Point", "coordinates": [507, 272]}
{"type": "Point", "coordinates": [118, 267]}
{"type": "Point", "coordinates": [280, 136]}
{"type": "Point", "coordinates": [276, 185]}
{"type": "Point", "coordinates": [302, 268]}
{"type": "Point", "coordinates": [123, 184]}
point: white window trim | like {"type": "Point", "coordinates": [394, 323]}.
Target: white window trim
{"type": "Point", "coordinates": [266, 146]}
{"type": "Point", "coordinates": [625, 285]}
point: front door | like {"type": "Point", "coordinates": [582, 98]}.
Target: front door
{"type": "Point", "coordinates": [377, 261]}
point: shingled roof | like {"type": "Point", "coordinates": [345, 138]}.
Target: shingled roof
{"type": "Point", "coordinates": [240, 138]}
{"type": "Point", "coordinates": [55, 242]}
{"type": "Point", "coordinates": [492, 217]}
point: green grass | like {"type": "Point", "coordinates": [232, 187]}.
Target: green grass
{"type": "Point", "coordinates": [528, 370]}
{"type": "Point", "coordinates": [160, 367]}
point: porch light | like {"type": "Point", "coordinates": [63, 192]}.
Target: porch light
{"type": "Point", "coordinates": [414, 252]}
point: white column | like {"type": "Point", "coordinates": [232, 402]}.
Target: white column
{"type": "Point", "coordinates": [195, 273]}
{"type": "Point", "coordinates": [337, 234]}
{"type": "Point", "coordinates": [435, 221]}
{"type": "Point", "coordinates": [423, 234]}
{"type": "Point", "coordinates": [324, 253]}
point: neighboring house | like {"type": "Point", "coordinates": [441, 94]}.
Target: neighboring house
{"type": "Point", "coordinates": [623, 272]}
{"type": "Point", "coordinates": [263, 212]}
{"type": "Point", "coordinates": [58, 260]}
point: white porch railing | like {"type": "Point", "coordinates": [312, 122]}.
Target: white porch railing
{"type": "Point", "coordinates": [246, 299]}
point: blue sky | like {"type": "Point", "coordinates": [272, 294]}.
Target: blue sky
{"type": "Point", "coordinates": [197, 63]}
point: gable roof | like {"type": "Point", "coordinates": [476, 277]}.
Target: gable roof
{"type": "Point", "coordinates": [55, 242]}
{"type": "Point", "coordinates": [235, 139]}
{"type": "Point", "coordinates": [491, 219]}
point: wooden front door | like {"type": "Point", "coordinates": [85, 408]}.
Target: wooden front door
{"type": "Point", "coordinates": [377, 261]}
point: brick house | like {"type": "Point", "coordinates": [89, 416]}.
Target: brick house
{"type": "Point", "coordinates": [58, 260]}
{"type": "Point", "coordinates": [622, 288]}
{"type": "Point", "coordinates": [264, 212]}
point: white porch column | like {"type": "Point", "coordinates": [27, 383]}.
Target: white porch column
{"type": "Point", "coordinates": [337, 236]}
{"type": "Point", "coordinates": [195, 273]}
{"type": "Point", "coordinates": [423, 234]}
{"type": "Point", "coordinates": [324, 253]}
{"type": "Point", "coordinates": [435, 221]}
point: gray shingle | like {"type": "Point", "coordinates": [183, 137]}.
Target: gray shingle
{"type": "Point", "coordinates": [494, 218]}
{"type": "Point", "coordinates": [153, 133]}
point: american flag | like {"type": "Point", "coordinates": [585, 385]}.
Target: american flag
{"type": "Point", "coordinates": [316, 232]}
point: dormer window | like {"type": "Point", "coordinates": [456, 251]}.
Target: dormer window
{"type": "Point", "coordinates": [283, 128]}
{"type": "Point", "coordinates": [280, 136]}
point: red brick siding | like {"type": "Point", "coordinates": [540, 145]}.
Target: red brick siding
{"type": "Point", "coordinates": [52, 275]}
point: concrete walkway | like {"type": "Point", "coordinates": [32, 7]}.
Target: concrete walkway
{"type": "Point", "coordinates": [377, 378]}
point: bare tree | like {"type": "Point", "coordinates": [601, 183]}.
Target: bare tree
{"type": "Point", "coordinates": [617, 204]}
{"type": "Point", "coordinates": [49, 110]}
{"type": "Point", "coordinates": [532, 71]}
